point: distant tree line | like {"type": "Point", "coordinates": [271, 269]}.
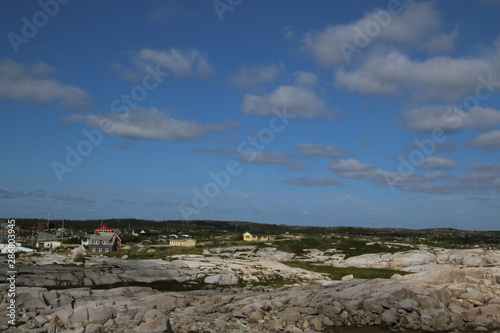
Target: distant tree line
{"type": "Point", "coordinates": [443, 236]}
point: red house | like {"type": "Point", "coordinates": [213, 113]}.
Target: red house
{"type": "Point", "coordinates": [104, 230]}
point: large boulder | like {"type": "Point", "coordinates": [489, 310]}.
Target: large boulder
{"type": "Point", "coordinates": [222, 279]}
{"type": "Point", "coordinates": [159, 324]}
{"type": "Point", "coordinates": [78, 252]}
{"type": "Point", "coordinates": [377, 260]}
{"type": "Point", "coordinates": [412, 258]}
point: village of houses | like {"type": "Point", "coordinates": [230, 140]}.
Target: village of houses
{"type": "Point", "coordinates": [102, 240]}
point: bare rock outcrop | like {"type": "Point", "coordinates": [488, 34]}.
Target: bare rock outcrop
{"type": "Point", "coordinates": [441, 302]}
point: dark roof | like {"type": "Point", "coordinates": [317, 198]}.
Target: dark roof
{"type": "Point", "coordinates": [103, 237]}
{"type": "Point", "coordinates": [45, 236]}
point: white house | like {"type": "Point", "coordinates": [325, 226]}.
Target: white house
{"type": "Point", "coordinates": [52, 244]}
{"type": "Point", "coordinates": [18, 247]}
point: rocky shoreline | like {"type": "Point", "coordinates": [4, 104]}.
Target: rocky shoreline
{"type": "Point", "coordinates": [450, 291]}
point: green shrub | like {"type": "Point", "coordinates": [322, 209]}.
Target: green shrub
{"type": "Point", "coordinates": [336, 273]}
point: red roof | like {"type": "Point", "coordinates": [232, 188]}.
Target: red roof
{"type": "Point", "coordinates": [102, 228]}
{"type": "Point", "coordinates": [105, 229]}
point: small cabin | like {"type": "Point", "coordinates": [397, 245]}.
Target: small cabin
{"type": "Point", "coordinates": [255, 237]}
{"type": "Point", "coordinates": [182, 242]}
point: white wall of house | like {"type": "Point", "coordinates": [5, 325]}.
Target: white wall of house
{"type": "Point", "coordinates": [18, 248]}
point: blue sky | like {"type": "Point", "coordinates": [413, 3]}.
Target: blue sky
{"type": "Point", "coordinates": [366, 113]}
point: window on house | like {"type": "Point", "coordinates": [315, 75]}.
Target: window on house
{"type": "Point", "coordinates": [96, 242]}
{"type": "Point", "coordinates": [100, 249]}
{"type": "Point", "coordinates": [106, 250]}
{"type": "Point", "coordinates": [93, 249]}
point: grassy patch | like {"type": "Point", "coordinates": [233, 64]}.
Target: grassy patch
{"type": "Point", "coordinates": [336, 273]}
{"type": "Point", "coordinates": [158, 253]}
{"type": "Point", "coordinates": [348, 246]}
{"type": "Point", "coordinates": [354, 247]}
{"type": "Point", "coordinates": [275, 282]}
{"type": "Point", "coordinates": [298, 246]}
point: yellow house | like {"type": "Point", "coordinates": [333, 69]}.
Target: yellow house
{"type": "Point", "coordinates": [183, 242]}
{"type": "Point", "coordinates": [253, 237]}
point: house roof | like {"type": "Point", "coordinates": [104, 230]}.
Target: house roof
{"type": "Point", "coordinates": [45, 236]}
{"type": "Point", "coordinates": [103, 237]}
{"type": "Point", "coordinates": [103, 226]}
{"type": "Point", "coordinates": [256, 233]}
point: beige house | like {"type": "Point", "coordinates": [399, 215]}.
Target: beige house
{"type": "Point", "coordinates": [183, 242]}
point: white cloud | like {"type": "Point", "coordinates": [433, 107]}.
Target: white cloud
{"type": "Point", "coordinates": [252, 77]}
{"type": "Point", "coordinates": [430, 118]}
{"type": "Point", "coordinates": [306, 80]}
{"type": "Point", "coordinates": [125, 202]}
{"type": "Point", "coordinates": [297, 99]}
{"type": "Point", "coordinates": [442, 42]}
{"type": "Point", "coordinates": [395, 74]}
{"type": "Point", "coordinates": [179, 62]}
{"type": "Point", "coordinates": [272, 157]}
{"type": "Point", "coordinates": [483, 118]}
{"type": "Point", "coordinates": [488, 141]}
{"type": "Point", "coordinates": [73, 199]}
{"type": "Point", "coordinates": [417, 27]}
{"type": "Point", "coordinates": [218, 151]}
{"type": "Point", "coordinates": [168, 11]}
{"type": "Point", "coordinates": [34, 84]}
{"type": "Point", "coordinates": [150, 125]}
{"type": "Point", "coordinates": [187, 63]}
{"type": "Point", "coordinates": [434, 163]}
{"type": "Point", "coordinates": [349, 165]}
{"type": "Point", "coordinates": [318, 150]}
{"type": "Point", "coordinates": [406, 181]}
{"type": "Point", "coordinates": [287, 31]}
{"type": "Point", "coordinates": [482, 177]}
{"type": "Point", "coordinates": [306, 181]}
{"type": "Point", "coordinates": [9, 194]}
{"type": "Point", "coordinates": [449, 118]}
